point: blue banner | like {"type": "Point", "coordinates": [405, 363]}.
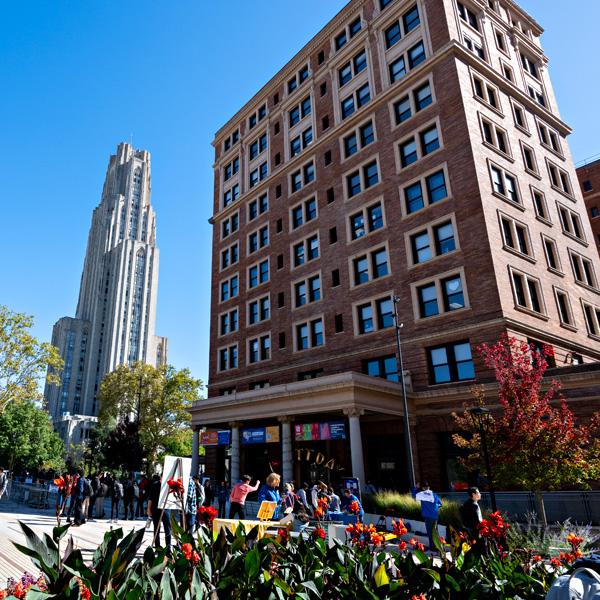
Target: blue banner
{"type": "Point", "coordinates": [254, 435]}
{"type": "Point", "coordinates": [224, 438]}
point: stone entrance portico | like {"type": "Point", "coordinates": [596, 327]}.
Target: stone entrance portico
{"type": "Point", "coordinates": [352, 396]}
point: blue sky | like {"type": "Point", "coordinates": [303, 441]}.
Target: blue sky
{"type": "Point", "coordinates": [79, 77]}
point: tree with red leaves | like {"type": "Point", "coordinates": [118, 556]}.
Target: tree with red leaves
{"type": "Point", "coordinates": [534, 440]}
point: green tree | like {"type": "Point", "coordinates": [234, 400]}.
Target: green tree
{"type": "Point", "coordinates": [23, 359]}
{"type": "Point", "coordinates": [158, 398]}
{"type": "Point", "coordinates": [27, 439]}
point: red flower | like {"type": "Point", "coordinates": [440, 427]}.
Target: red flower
{"type": "Point", "coordinates": [206, 515]}
{"type": "Point", "coordinates": [84, 591]}
{"type": "Point", "coordinates": [175, 487]}
{"type": "Point", "coordinates": [187, 551]}
{"type": "Point", "coordinates": [399, 528]}
{"type": "Point", "coordinates": [537, 558]}
{"type": "Point", "coordinates": [493, 527]}
{"type": "Point", "coordinates": [419, 597]}
{"type": "Point", "coordinates": [354, 507]}
{"type": "Point", "coordinates": [319, 532]}
{"type": "Point", "coordinates": [195, 557]}
{"type": "Point", "coordinates": [283, 535]}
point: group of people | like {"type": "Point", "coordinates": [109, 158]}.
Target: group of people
{"type": "Point", "coordinates": [88, 497]}
{"type": "Point", "coordinates": [470, 511]}
{"type": "Point", "coordinates": [303, 502]}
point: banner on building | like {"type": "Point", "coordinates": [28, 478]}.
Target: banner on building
{"type": "Point", "coordinates": [312, 432]}
{"type": "Point", "coordinates": [215, 438]}
{"type": "Point", "coordinates": [260, 435]}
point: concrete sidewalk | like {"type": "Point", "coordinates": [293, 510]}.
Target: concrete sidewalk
{"type": "Point", "coordinates": [86, 537]}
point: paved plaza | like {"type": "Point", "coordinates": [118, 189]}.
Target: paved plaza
{"type": "Point", "coordinates": [86, 537]}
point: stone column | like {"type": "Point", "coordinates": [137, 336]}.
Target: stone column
{"type": "Point", "coordinates": [235, 453]}
{"type": "Point", "coordinates": [356, 447]}
{"type": "Point", "coordinates": [195, 450]}
{"type": "Point", "coordinates": [287, 466]}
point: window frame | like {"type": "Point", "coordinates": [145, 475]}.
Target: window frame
{"type": "Point", "coordinates": [364, 211]}
{"type": "Point", "coordinates": [360, 170]}
{"type": "Point", "coordinates": [309, 324]}
{"type": "Point", "coordinates": [373, 303]}
{"type": "Point", "coordinates": [528, 307]}
{"type": "Point", "coordinates": [306, 279]}
{"type": "Point", "coordinates": [429, 228]}
{"type": "Point", "coordinates": [417, 137]}
{"type": "Point", "coordinates": [369, 254]}
{"type": "Point", "coordinates": [438, 280]}
{"type": "Point", "coordinates": [304, 242]}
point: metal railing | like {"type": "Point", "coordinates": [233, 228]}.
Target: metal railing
{"type": "Point", "coordinates": [580, 506]}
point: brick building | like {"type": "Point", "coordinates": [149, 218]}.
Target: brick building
{"type": "Point", "coordinates": [589, 180]}
{"type": "Point", "coordinates": [410, 149]}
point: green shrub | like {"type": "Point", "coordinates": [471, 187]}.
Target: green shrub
{"type": "Point", "coordinates": [405, 506]}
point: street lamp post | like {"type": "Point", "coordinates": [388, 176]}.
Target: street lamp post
{"type": "Point", "coordinates": [410, 463]}
{"type": "Point", "coordinates": [480, 416]}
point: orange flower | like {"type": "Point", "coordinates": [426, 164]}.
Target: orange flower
{"type": "Point", "coordinates": [187, 551]}
{"type": "Point", "coordinates": [399, 528]}
{"type": "Point", "coordinates": [195, 557]}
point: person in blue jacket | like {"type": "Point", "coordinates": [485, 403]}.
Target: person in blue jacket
{"type": "Point", "coordinates": [270, 491]}
{"type": "Point", "coordinates": [430, 507]}
{"type": "Point", "coordinates": [347, 500]}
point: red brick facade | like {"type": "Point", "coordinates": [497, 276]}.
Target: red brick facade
{"type": "Point", "coordinates": [498, 146]}
{"type": "Point", "coordinates": [589, 180]}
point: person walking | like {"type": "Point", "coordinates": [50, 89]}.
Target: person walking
{"type": "Point", "coordinates": [100, 496]}
{"type": "Point", "coordinates": [470, 513]}
{"type": "Point", "coordinates": [3, 483]}
{"type": "Point", "coordinates": [209, 493]}
{"type": "Point", "coordinates": [143, 489]}
{"type": "Point", "coordinates": [72, 501]}
{"type": "Point", "coordinates": [430, 507]}
{"type": "Point", "coordinates": [238, 496]}
{"type": "Point", "coordinates": [79, 499]}
{"type": "Point", "coordinates": [191, 505]}
{"type": "Point", "coordinates": [129, 498]}
{"type": "Point", "coordinates": [289, 498]}
{"type": "Point", "coordinates": [222, 495]}
{"type": "Point", "coordinates": [95, 480]}
{"type": "Point", "coordinates": [154, 512]}
{"type": "Point", "coordinates": [334, 501]}
{"type": "Point", "coordinates": [200, 493]}
{"type": "Point", "coordinates": [270, 489]}
{"type": "Point", "coordinates": [116, 496]}
{"type": "Point", "coordinates": [302, 497]}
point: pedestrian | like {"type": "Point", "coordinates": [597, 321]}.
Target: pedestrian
{"type": "Point", "coordinates": [238, 496]}
{"type": "Point", "coordinates": [470, 513]}
{"type": "Point", "coordinates": [346, 502]}
{"type": "Point", "coordinates": [209, 493]}
{"type": "Point", "coordinates": [222, 495]}
{"type": "Point", "coordinates": [3, 483]}
{"type": "Point", "coordinates": [430, 507]}
{"type": "Point", "coordinates": [270, 489]}
{"type": "Point", "coordinates": [302, 497]}
{"type": "Point", "coordinates": [191, 505]}
{"type": "Point", "coordinates": [72, 501]}
{"type": "Point", "coordinates": [100, 496]}
{"type": "Point", "coordinates": [318, 491]}
{"type": "Point", "coordinates": [288, 498]}
{"type": "Point", "coordinates": [116, 497]}
{"type": "Point", "coordinates": [80, 489]}
{"type": "Point", "coordinates": [200, 494]}
{"type": "Point", "coordinates": [95, 480]}
{"type": "Point", "coordinates": [129, 497]}
{"type": "Point", "coordinates": [334, 500]}
{"type": "Point", "coordinates": [143, 488]}
{"type": "Point", "coordinates": [154, 512]}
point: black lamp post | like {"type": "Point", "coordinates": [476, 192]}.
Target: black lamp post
{"type": "Point", "coordinates": [481, 418]}
{"type": "Point", "coordinates": [410, 463]}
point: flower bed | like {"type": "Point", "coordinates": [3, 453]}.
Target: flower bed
{"type": "Point", "coordinates": [242, 566]}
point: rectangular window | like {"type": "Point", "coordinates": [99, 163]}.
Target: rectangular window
{"type": "Point", "coordinates": [552, 257]}
{"type": "Point", "coordinates": [307, 291]}
{"type": "Point", "coordinates": [495, 136]}
{"type": "Point", "coordinates": [230, 225]}
{"type": "Point", "coordinates": [571, 223]}
{"type": "Point", "coordinates": [435, 240]}
{"type": "Point", "coordinates": [549, 138]}
{"type": "Point", "coordinates": [516, 235]}
{"type": "Point", "coordinates": [413, 57]}
{"type": "Point", "coordinates": [592, 319]}
{"type": "Point", "coordinates": [258, 274]}
{"type": "Point", "coordinates": [504, 184]}
{"type": "Point", "coordinates": [467, 15]}
{"type": "Point", "coordinates": [365, 177]}
{"type": "Point", "coordinates": [375, 315]}
{"type": "Point", "coordinates": [310, 334]}
{"type": "Point", "coordinates": [364, 222]}
{"type": "Point", "coordinates": [370, 266]}
{"type": "Point", "coordinates": [360, 138]}
{"type": "Point", "coordinates": [229, 256]}
{"type": "Point", "coordinates": [529, 66]}
{"type": "Point", "coordinates": [539, 204]}
{"type": "Point", "coordinates": [259, 310]}
{"type": "Point", "coordinates": [486, 92]}
{"type": "Point", "coordinates": [411, 151]}
{"type": "Point", "coordinates": [259, 349]}
{"type": "Point", "coordinates": [450, 362]}
{"type": "Point", "coordinates": [305, 251]}
{"type": "Point", "coordinates": [559, 179]}
{"type": "Point", "coordinates": [228, 358]}
{"type": "Point", "coordinates": [385, 367]}
{"type": "Point", "coordinates": [302, 177]}
{"type": "Point", "coordinates": [527, 292]}
{"type": "Point", "coordinates": [228, 322]}
{"type": "Point", "coordinates": [529, 159]}
{"type": "Point", "coordinates": [425, 192]}
{"type": "Point", "coordinates": [441, 295]}
{"type": "Point", "coordinates": [356, 100]}
{"type": "Point", "coordinates": [303, 213]}
{"type": "Point", "coordinates": [229, 288]}
{"type": "Point", "coordinates": [352, 68]}
{"type": "Point", "coordinates": [563, 305]}
{"type": "Point", "coordinates": [258, 206]}
{"type": "Point", "coordinates": [583, 269]}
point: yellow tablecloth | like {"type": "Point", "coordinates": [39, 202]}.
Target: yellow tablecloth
{"type": "Point", "coordinates": [233, 524]}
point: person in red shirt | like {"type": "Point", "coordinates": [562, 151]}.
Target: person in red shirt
{"type": "Point", "coordinates": [238, 496]}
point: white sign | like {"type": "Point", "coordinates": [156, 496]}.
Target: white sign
{"type": "Point", "coordinates": [174, 467]}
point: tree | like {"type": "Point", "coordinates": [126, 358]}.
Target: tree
{"type": "Point", "coordinates": [23, 360]}
{"type": "Point", "coordinates": [27, 439]}
{"type": "Point", "coordinates": [158, 398]}
{"type": "Point", "coordinates": [533, 444]}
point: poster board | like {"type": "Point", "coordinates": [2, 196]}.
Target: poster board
{"type": "Point", "coordinates": [353, 484]}
{"type": "Point", "coordinates": [174, 467]}
{"type": "Point", "coordinates": [266, 510]}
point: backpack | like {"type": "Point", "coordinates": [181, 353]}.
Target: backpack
{"type": "Point", "coordinates": [582, 584]}
{"type": "Point", "coordinates": [87, 488]}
